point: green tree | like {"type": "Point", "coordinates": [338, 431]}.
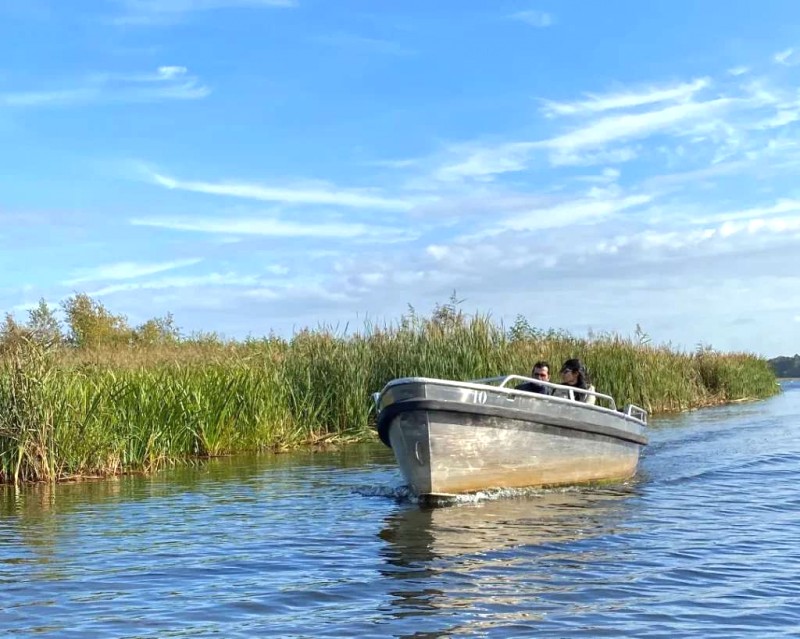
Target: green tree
{"type": "Point", "coordinates": [786, 366]}
{"type": "Point", "coordinates": [92, 325]}
{"type": "Point", "coordinates": [157, 331]}
{"type": "Point", "coordinates": [43, 326]}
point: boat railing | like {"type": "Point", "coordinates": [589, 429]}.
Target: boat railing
{"type": "Point", "coordinates": [630, 410]}
{"type": "Point", "coordinates": [637, 412]}
{"type": "Point", "coordinates": [570, 391]}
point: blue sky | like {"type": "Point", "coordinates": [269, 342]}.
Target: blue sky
{"type": "Point", "coordinates": [257, 165]}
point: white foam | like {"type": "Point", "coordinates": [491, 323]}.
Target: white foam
{"type": "Point", "coordinates": [404, 494]}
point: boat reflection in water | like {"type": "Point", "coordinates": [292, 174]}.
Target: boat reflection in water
{"type": "Point", "coordinates": [418, 533]}
{"type": "Point", "coordinates": [507, 555]}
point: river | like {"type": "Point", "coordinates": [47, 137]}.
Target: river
{"type": "Point", "coordinates": [704, 542]}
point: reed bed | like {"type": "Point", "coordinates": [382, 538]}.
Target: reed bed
{"type": "Point", "coordinates": [69, 412]}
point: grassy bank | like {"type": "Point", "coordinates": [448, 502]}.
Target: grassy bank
{"type": "Point", "coordinates": [70, 411]}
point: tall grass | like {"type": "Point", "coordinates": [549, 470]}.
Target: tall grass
{"type": "Point", "coordinates": [71, 412]}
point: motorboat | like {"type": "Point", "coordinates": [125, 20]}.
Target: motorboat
{"type": "Point", "coordinates": [453, 437]}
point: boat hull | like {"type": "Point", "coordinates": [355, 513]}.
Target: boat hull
{"type": "Point", "coordinates": [445, 444]}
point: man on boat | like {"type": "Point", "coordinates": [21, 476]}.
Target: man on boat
{"type": "Point", "coordinates": [541, 370]}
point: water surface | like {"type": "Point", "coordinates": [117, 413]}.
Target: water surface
{"type": "Point", "coordinates": [703, 543]}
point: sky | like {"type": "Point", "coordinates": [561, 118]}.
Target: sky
{"type": "Point", "coordinates": [257, 166]}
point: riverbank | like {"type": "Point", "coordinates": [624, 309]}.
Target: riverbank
{"type": "Point", "coordinates": [68, 412]}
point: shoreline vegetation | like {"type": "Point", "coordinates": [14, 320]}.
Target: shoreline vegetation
{"type": "Point", "coordinates": [96, 398]}
{"type": "Point", "coordinates": [786, 367]}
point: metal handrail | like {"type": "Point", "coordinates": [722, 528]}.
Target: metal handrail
{"type": "Point", "coordinates": [571, 390]}
{"type": "Point", "coordinates": [637, 412]}
{"type": "Point", "coordinates": [630, 410]}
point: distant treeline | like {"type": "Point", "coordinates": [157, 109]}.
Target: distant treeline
{"type": "Point", "coordinates": [95, 396]}
{"type": "Point", "coordinates": [786, 366]}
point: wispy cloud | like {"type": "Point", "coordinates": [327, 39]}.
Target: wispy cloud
{"type": "Point", "coordinates": [359, 43]}
{"type": "Point", "coordinates": [729, 237]}
{"type": "Point", "coordinates": [598, 204]}
{"type": "Point", "coordinates": [587, 210]}
{"type": "Point", "coordinates": [782, 206]}
{"type": "Point", "coordinates": [584, 145]}
{"type": "Point", "coordinates": [127, 270]}
{"type": "Point", "coordinates": [198, 281]}
{"type": "Point", "coordinates": [737, 71]}
{"type": "Point", "coordinates": [628, 99]}
{"type": "Point", "coordinates": [165, 83]}
{"type": "Point", "coordinates": [614, 128]}
{"type": "Point", "coordinates": [484, 162]}
{"type": "Point", "coordinates": [787, 57]}
{"type": "Point", "coordinates": [534, 18]}
{"type": "Point", "coordinates": [311, 194]}
{"type": "Point", "coordinates": [264, 227]}
{"type": "Point", "coordinates": [57, 97]}
{"type": "Point", "coordinates": [161, 12]}
{"type": "Point", "coordinates": [635, 125]}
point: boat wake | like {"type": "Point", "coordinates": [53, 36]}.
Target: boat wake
{"type": "Point", "coordinates": [403, 494]}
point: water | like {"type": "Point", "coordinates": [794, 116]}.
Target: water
{"type": "Point", "coordinates": [705, 542]}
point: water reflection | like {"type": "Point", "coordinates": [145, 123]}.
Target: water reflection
{"type": "Point", "coordinates": [437, 555]}
{"type": "Point", "coordinates": [703, 543]}
{"type": "Point", "coordinates": [420, 534]}
{"type": "Point", "coordinates": [38, 501]}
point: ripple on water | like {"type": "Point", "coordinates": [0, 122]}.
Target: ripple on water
{"type": "Point", "coordinates": [701, 544]}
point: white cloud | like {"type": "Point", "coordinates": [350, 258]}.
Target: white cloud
{"type": "Point", "coordinates": [360, 43]}
{"type": "Point", "coordinates": [572, 157]}
{"type": "Point", "coordinates": [127, 270]}
{"type": "Point", "coordinates": [211, 279]}
{"type": "Point", "coordinates": [166, 83]}
{"type": "Point", "coordinates": [780, 118]}
{"type": "Point", "coordinates": [277, 269]}
{"type": "Point", "coordinates": [722, 236]}
{"type": "Point", "coordinates": [265, 227]}
{"type": "Point", "coordinates": [737, 71]}
{"type": "Point", "coordinates": [157, 12]}
{"type": "Point", "coordinates": [169, 72]}
{"type": "Point", "coordinates": [722, 122]}
{"type": "Point", "coordinates": [627, 99]}
{"type": "Point", "coordinates": [787, 57]}
{"type": "Point", "coordinates": [784, 205]}
{"type": "Point", "coordinates": [608, 175]}
{"type": "Point", "coordinates": [534, 18]}
{"type": "Point", "coordinates": [313, 194]}
{"type": "Point", "coordinates": [56, 97]}
{"type": "Point", "coordinates": [482, 163]}
{"type": "Point", "coordinates": [510, 223]}
{"type": "Point", "coordinates": [579, 211]}
{"type": "Point", "coordinates": [621, 128]}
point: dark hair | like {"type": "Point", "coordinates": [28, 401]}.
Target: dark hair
{"type": "Point", "coordinates": [576, 366]}
{"type": "Point", "coordinates": [540, 364]}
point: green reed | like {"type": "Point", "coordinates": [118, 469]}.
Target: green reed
{"type": "Point", "coordinates": [69, 413]}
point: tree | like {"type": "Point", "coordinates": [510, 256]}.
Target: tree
{"type": "Point", "coordinates": [786, 366]}
{"type": "Point", "coordinates": [43, 326]}
{"type": "Point", "coordinates": [91, 325]}
{"type": "Point", "coordinates": [156, 331]}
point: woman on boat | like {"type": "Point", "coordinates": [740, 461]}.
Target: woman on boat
{"type": "Point", "coordinates": [573, 373]}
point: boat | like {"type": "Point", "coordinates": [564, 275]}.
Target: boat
{"type": "Point", "coordinates": [452, 438]}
